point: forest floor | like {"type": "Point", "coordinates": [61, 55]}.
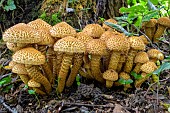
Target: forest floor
{"type": "Point", "coordinates": [88, 97]}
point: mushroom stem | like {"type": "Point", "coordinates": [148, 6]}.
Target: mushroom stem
{"type": "Point", "coordinates": [24, 78]}
{"type": "Point", "coordinates": [34, 73]}
{"type": "Point", "coordinates": [129, 62]}
{"type": "Point", "coordinates": [58, 61]}
{"type": "Point", "coordinates": [65, 65]}
{"type": "Point", "coordinates": [109, 83]}
{"type": "Point", "coordinates": [137, 68]}
{"type": "Point", "coordinates": [148, 32]}
{"type": "Point", "coordinates": [38, 91]}
{"type": "Point", "coordinates": [84, 74]}
{"type": "Point", "coordinates": [95, 68]}
{"type": "Point", "coordinates": [87, 68]}
{"type": "Point", "coordinates": [50, 56]}
{"type": "Point", "coordinates": [114, 60]}
{"type": "Point", "coordinates": [78, 60]}
{"type": "Point", "coordinates": [160, 30]}
{"type": "Point", "coordinates": [139, 82]}
{"type": "Point", "coordinates": [121, 61]}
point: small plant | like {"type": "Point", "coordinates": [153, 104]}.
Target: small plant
{"type": "Point", "coordinates": [8, 6]}
{"type": "Point", "coordinates": [6, 81]}
{"type": "Point", "coordinates": [135, 75]}
{"type": "Point", "coordinates": [78, 80]}
{"type": "Point", "coordinates": [125, 82]}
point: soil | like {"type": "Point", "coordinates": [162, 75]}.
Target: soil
{"type": "Point", "coordinates": [88, 97]}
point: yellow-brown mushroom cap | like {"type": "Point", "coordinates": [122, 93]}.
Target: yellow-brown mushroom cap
{"type": "Point", "coordinates": [154, 53]}
{"type": "Point", "coordinates": [29, 56]}
{"type": "Point", "coordinates": [148, 67]}
{"type": "Point", "coordinates": [165, 21]}
{"type": "Point", "coordinates": [83, 37]}
{"type": "Point", "coordinates": [141, 57]}
{"type": "Point", "coordinates": [11, 64]}
{"type": "Point", "coordinates": [96, 47]}
{"type": "Point", "coordinates": [21, 33]}
{"type": "Point", "coordinates": [39, 24]}
{"type": "Point", "coordinates": [111, 75]}
{"type": "Point", "coordinates": [19, 69]}
{"type": "Point", "coordinates": [109, 20]}
{"type": "Point", "coordinates": [62, 29]}
{"type": "Point", "coordinates": [13, 46]}
{"type": "Point", "coordinates": [32, 83]}
{"type": "Point", "coordinates": [108, 34]}
{"type": "Point", "coordinates": [144, 39]}
{"type": "Point", "coordinates": [93, 30]}
{"type": "Point", "coordinates": [124, 75]}
{"type": "Point", "coordinates": [136, 43]}
{"type": "Point", "coordinates": [69, 44]}
{"type": "Point", "coordinates": [118, 43]}
{"type": "Point", "coordinates": [151, 23]}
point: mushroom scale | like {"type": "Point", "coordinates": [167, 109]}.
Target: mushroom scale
{"type": "Point", "coordinates": [68, 45]}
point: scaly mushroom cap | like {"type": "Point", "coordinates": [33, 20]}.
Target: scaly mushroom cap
{"type": "Point", "coordinates": [154, 53]}
{"type": "Point", "coordinates": [148, 67]}
{"type": "Point", "coordinates": [144, 39]}
{"type": "Point", "coordinates": [106, 27]}
{"type": "Point", "coordinates": [69, 44]}
{"type": "Point", "coordinates": [96, 47]}
{"type": "Point", "coordinates": [110, 75]}
{"type": "Point", "coordinates": [151, 23]}
{"type": "Point", "coordinates": [93, 30]}
{"type": "Point", "coordinates": [165, 21]}
{"type": "Point", "coordinates": [39, 24]}
{"type": "Point", "coordinates": [83, 37]}
{"type": "Point", "coordinates": [32, 83]}
{"type": "Point", "coordinates": [107, 34]}
{"type": "Point", "coordinates": [62, 29]}
{"type": "Point", "coordinates": [21, 33]}
{"type": "Point", "coordinates": [136, 43]}
{"type": "Point", "coordinates": [46, 37]}
{"type": "Point", "coordinates": [141, 57]}
{"type": "Point", "coordinates": [13, 46]}
{"type": "Point", "coordinates": [19, 69]}
{"type": "Point", "coordinates": [124, 75]}
{"type": "Point", "coordinates": [118, 43]}
{"type": "Point", "coordinates": [29, 56]}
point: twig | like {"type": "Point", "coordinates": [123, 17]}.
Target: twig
{"type": "Point", "coordinates": [3, 76]}
{"type": "Point", "coordinates": [6, 106]}
{"type": "Point", "coordinates": [149, 88]}
{"type": "Point", "coordinates": [88, 105]}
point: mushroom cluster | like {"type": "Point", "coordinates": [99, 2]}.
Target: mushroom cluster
{"type": "Point", "coordinates": [154, 29]}
{"type": "Point", "coordinates": [43, 54]}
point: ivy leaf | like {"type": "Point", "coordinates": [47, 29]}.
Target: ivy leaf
{"type": "Point", "coordinates": [10, 5]}
{"type": "Point", "coordinates": [135, 75]}
{"type": "Point", "coordinates": [164, 66]}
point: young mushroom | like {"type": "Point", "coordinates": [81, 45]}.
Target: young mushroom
{"type": "Point", "coordinates": [125, 76]}
{"type": "Point", "coordinates": [69, 46]}
{"type": "Point", "coordinates": [110, 75]}
{"type": "Point", "coordinates": [155, 55]}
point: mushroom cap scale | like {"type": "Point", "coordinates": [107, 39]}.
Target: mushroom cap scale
{"type": "Point", "coordinates": [165, 21]}
{"type": "Point", "coordinates": [19, 69]}
{"type": "Point", "coordinates": [83, 37]}
{"type": "Point", "coordinates": [21, 33]}
{"type": "Point", "coordinates": [69, 44]}
{"type": "Point", "coordinates": [141, 57]}
{"type": "Point", "coordinates": [151, 23]}
{"type": "Point", "coordinates": [93, 30]}
{"type": "Point", "coordinates": [96, 47]}
{"type": "Point", "coordinates": [62, 29]}
{"type": "Point", "coordinates": [148, 67]}
{"type": "Point", "coordinates": [107, 34]}
{"type": "Point", "coordinates": [136, 43]}
{"type": "Point", "coordinates": [29, 55]}
{"type": "Point", "coordinates": [154, 53]}
{"type": "Point", "coordinates": [124, 75]}
{"type": "Point", "coordinates": [111, 75]}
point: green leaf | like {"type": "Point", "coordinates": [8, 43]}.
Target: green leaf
{"type": "Point", "coordinates": [78, 83]}
{"type": "Point", "coordinates": [31, 92]}
{"type": "Point", "coordinates": [164, 66]}
{"type": "Point", "coordinates": [135, 75]}
{"type": "Point", "coordinates": [5, 80]}
{"type": "Point", "coordinates": [77, 78]}
{"type": "Point", "coordinates": [133, 9]}
{"type": "Point", "coordinates": [26, 87]}
{"type": "Point", "coordinates": [124, 82]}
{"type": "Point", "coordinates": [10, 5]}
{"type": "Point", "coordinates": [138, 21]}
{"type": "Point", "coordinates": [129, 81]}
{"type": "Point", "coordinates": [7, 88]}
{"type": "Point", "coordinates": [150, 15]}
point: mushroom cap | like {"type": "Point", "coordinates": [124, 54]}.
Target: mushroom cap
{"type": "Point", "coordinates": [141, 57]}
{"type": "Point", "coordinates": [144, 39]}
{"type": "Point", "coordinates": [13, 46]}
{"type": "Point", "coordinates": [107, 34]}
{"type": "Point", "coordinates": [39, 24]}
{"type": "Point", "coordinates": [118, 43]}
{"type": "Point", "coordinates": [111, 75]}
{"type": "Point", "coordinates": [46, 37]}
{"type": "Point", "coordinates": [19, 69]}
{"type": "Point", "coordinates": [69, 44]}
{"type": "Point", "coordinates": [148, 67]}
{"type": "Point", "coordinates": [62, 29]}
{"type": "Point", "coordinates": [96, 47]}
{"type": "Point", "coordinates": [124, 75]}
{"type": "Point", "coordinates": [151, 23]}
{"type": "Point", "coordinates": [106, 27]}
{"type": "Point", "coordinates": [93, 30]}
{"type": "Point", "coordinates": [136, 43]}
{"type": "Point", "coordinates": [154, 53]}
{"type": "Point", "coordinates": [12, 64]}
{"type": "Point", "coordinates": [21, 33]}
{"type": "Point", "coordinates": [165, 21]}
{"type": "Point", "coordinates": [32, 83]}
{"type": "Point", "coordinates": [83, 37]}
{"type": "Point", "coordinates": [29, 55]}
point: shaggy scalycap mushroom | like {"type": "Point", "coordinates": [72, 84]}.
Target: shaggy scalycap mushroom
{"type": "Point", "coordinates": [148, 67]}
{"type": "Point", "coordinates": [155, 55]}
